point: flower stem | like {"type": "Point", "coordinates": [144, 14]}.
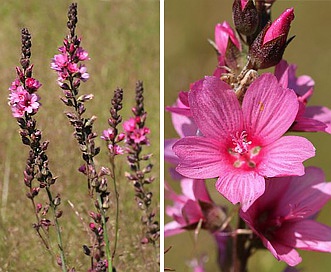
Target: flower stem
{"type": "Point", "coordinates": [117, 203]}
{"type": "Point", "coordinates": [105, 233]}
{"type": "Point", "coordinates": [58, 230]}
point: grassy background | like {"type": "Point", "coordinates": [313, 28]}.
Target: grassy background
{"type": "Point", "coordinates": [122, 38]}
{"type": "Point", "coordinates": [189, 57]}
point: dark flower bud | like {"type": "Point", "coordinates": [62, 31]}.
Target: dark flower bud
{"type": "Point", "coordinates": [269, 46]}
{"type": "Point", "coordinates": [245, 16]}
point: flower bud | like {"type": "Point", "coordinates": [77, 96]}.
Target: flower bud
{"type": "Point", "coordinates": [245, 16]}
{"type": "Point", "coordinates": [269, 46]}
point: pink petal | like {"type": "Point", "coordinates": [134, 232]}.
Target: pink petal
{"type": "Point", "coordinates": [285, 156]}
{"type": "Point", "coordinates": [284, 253]}
{"type": "Point", "coordinates": [183, 125]}
{"type": "Point", "coordinates": [215, 109]}
{"type": "Point", "coordinates": [169, 154]}
{"type": "Point", "coordinates": [243, 187]}
{"type": "Point", "coordinates": [321, 114]}
{"type": "Point", "coordinates": [309, 124]}
{"type": "Point", "coordinates": [172, 228]}
{"type": "Point", "coordinates": [308, 235]}
{"type": "Point", "coordinates": [308, 193]}
{"type": "Point", "coordinates": [200, 157]}
{"type": "Point", "coordinates": [269, 110]}
{"type": "Point", "coordinates": [200, 191]}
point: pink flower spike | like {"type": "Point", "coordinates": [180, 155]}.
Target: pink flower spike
{"type": "Point", "coordinates": [242, 145]}
{"type": "Point", "coordinates": [281, 26]}
{"type": "Point", "coordinates": [283, 216]}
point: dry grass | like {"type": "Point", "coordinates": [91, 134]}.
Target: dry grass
{"type": "Point", "coordinates": [122, 38]}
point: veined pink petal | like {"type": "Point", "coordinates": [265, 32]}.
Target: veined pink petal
{"type": "Point", "coordinates": [200, 157]}
{"type": "Point", "coordinates": [244, 188]}
{"type": "Point", "coordinates": [308, 193]}
{"type": "Point", "coordinates": [308, 235]}
{"type": "Point", "coordinates": [269, 110]}
{"type": "Point", "coordinates": [215, 109]}
{"type": "Point", "coordinates": [285, 157]}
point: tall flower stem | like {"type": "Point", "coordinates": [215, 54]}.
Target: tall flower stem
{"type": "Point", "coordinates": [112, 169]}
{"type": "Point", "coordinates": [53, 205]}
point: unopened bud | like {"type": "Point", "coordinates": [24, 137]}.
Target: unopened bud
{"type": "Point", "coordinates": [245, 16]}
{"type": "Point", "coordinates": [269, 46]}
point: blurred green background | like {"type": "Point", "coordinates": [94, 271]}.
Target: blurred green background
{"type": "Point", "coordinates": [189, 57]}
{"type": "Point", "coordinates": [122, 38]}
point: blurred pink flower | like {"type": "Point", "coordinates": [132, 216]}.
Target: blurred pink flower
{"type": "Point", "coordinates": [309, 118]}
{"type": "Point", "coordinates": [187, 209]}
{"type": "Point", "coordinates": [108, 134]}
{"type": "Point", "coordinates": [283, 217]}
{"type": "Point", "coordinates": [242, 145]}
{"type": "Point", "coordinates": [129, 125]}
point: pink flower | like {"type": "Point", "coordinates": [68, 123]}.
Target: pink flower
{"type": "Point", "coordinates": [283, 217]}
{"type": "Point", "coordinates": [224, 32]}
{"type": "Point", "coordinates": [59, 62]}
{"type": "Point", "coordinates": [309, 118]}
{"type": "Point", "coordinates": [81, 54]}
{"type": "Point", "coordinates": [108, 134]}
{"type": "Point", "coordinates": [115, 149]}
{"type": "Point", "coordinates": [32, 84]}
{"type": "Point", "coordinates": [129, 125]}
{"type": "Point", "coordinates": [242, 144]}
{"type": "Point", "coordinates": [84, 76]}
{"type": "Point", "coordinates": [190, 207]}
{"type": "Point", "coordinates": [21, 101]}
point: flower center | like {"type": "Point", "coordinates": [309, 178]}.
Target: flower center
{"type": "Point", "coordinates": [243, 151]}
{"type": "Point", "coordinates": [240, 142]}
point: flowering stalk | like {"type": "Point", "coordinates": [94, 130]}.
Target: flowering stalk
{"type": "Point", "coordinates": [112, 138]}
{"type": "Point", "coordinates": [135, 139]}
{"type": "Point", "coordinates": [70, 75]}
{"type": "Point", "coordinates": [25, 104]}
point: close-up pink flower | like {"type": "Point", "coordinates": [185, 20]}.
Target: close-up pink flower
{"type": "Point", "coordinates": [242, 144]}
{"type": "Point", "coordinates": [283, 217]}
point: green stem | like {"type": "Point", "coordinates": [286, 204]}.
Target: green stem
{"type": "Point", "coordinates": [58, 230]}
{"type": "Point", "coordinates": [105, 234]}
{"type": "Point", "coordinates": [117, 207]}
